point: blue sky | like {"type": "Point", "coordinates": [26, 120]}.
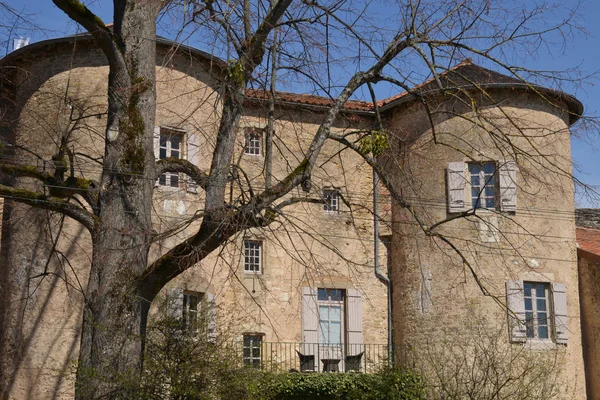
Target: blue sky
{"type": "Point", "coordinates": [582, 52]}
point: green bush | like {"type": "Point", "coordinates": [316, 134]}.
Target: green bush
{"type": "Point", "coordinates": [386, 385]}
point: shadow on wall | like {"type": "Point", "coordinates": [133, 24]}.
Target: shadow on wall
{"type": "Point", "coordinates": [39, 314]}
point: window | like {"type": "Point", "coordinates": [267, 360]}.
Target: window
{"type": "Point", "coordinates": [331, 316]}
{"type": "Point", "coordinates": [253, 256]}
{"type": "Point", "coordinates": [493, 185]}
{"type": "Point", "coordinates": [253, 143]}
{"type": "Point", "coordinates": [170, 145]}
{"type": "Point", "coordinates": [190, 311]}
{"type": "Point", "coordinates": [331, 199]}
{"type": "Point", "coordinates": [536, 297]}
{"type": "Point", "coordinates": [483, 185]}
{"type": "Point", "coordinates": [252, 350]}
{"type": "Point", "coordinates": [537, 311]}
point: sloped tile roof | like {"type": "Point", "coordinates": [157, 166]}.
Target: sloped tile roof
{"type": "Point", "coordinates": [588, 240]}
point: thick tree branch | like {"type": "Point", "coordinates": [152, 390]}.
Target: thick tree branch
{"type": "Point", "coordinates": [94, 25]}
{"type": "Point", "coordinates": [254, 49]}
{"type": "Point", "coordinates": [62, 189]}
{"type": "Point", "coordinates": [39, 200]}
{"type": "Point", "coordinates": [178, 165]}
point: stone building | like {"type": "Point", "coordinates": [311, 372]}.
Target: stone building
{"type": "Point", "coordinates": [588, 255]}
{"type": "Point", "coordinates": [310, 282]}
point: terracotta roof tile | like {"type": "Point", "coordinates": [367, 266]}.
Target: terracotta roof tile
{"type": "Point", "coordinates": [465, 73]}
{"type": "Point", "coordinates": [307, 99]}
{"type": "Point", "coordinates": [589, 240]}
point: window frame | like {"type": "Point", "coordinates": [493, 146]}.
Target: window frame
{"type": "Point", "coordinates": [255, 343]}
{"type": "Point", "coordinates": [253, 142]}
{"type": "Point", "coordinates": [332, 303]}
{"type": "Point", "coordinates": [332, 204]}
{"type": "Point", "coordinates": [532, 323]}
{"type": "Point", "coordinates": [484, 178]}
{"type": "Point", "coordinates": [255, 268]}
{"type": "Point", "coordinates": [168, 176]}
{"type": "Point", "coordinates": [189, 327]}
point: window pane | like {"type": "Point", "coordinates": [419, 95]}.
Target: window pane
{"type": "Point", "coordinates": [542, 319]}
{"type": "Point", "coordinates": [541, 304]}
{"type": "Point", "coordinates": [474, 169]}
{"type": "Point", "coordinates": [335, 335]}
{"type": "Point", "coordinates": [162, 180]}
{"type": "Point", "coordinates": [527, 289]}
{"type": "Point", "coordinates": [540, 291]}
{"type": "Point", "coordinates": [175, 153]}
{"type": "Point", "coordinates": [175, 141]}
{"type": "Point", "coordinates": [528, 304]}
{"type": "Point", "coordinates": [475, 181]}
{"type": "Point", "coordinates": [336, 295]}
{"type": "Point", "coordinates": [335, 313]}
{"type": "Point", "coordinates": [256, 352]}
{"type": "Point", "coordinates": [324, 313]}
{"type": "Point", "coordinates": [323, 332]}
{"type": "Point", "coordinates": [490, 203]}
{"type": "Point", "coordinates": [529, 324]}
{"type": "Point", "coordinates": [322, 294]}
{"type": "Point", "coordinates": [489, 168]}
{"type": "Point", "coordinates": [162, 153]}
{"type": "Point", "coordinates": [543, 332]}
{"type": "Point", "coordinates": [174, 180]}
{"type": "Point", "coordinates": [163, 140]}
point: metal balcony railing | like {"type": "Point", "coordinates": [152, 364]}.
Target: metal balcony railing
{"type": "Point", "coordinates": [315, 357]}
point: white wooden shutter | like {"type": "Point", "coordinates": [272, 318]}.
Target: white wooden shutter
{"type": "Point", "coordinates": [156, 146]}
{"type": "Point", "coordinates": [508, 186]}
{"type": "Point", "coordinates": [193, 156]}
{"type": "Point", "coordinates": [175, 303]}
{"type": "Point", "coordinates": [310, 321]}
{"type": "Point", "coordinates": [211, 317]}
{"type": "Point", "coordinates": [515, 301]}
{"type": "Point", "coordinates": [561, 320]}
{"type": "Point", "coordinates": [355, 333]}
{"type": "Point", "coordinates": [456, 187]}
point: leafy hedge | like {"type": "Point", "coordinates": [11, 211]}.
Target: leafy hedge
{"type": "Point", "coordinates": [387, 385]}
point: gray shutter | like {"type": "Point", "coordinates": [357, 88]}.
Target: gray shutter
{"type": "Point", "coordinates": [193, 156]}
{"type": "Point", "coordinates": [508, 186]}
{"type": "Point", "coordinates": [456, 187]}
{"type": "Point", "coordinates": [211, 317]}
{"type": "Point", "coordinates": [156, 146]}
{"type": "Point", "coordinates": [355, 334]}
{"type": "Point", "coordinates": [175, 303]}
{"type": "Point", "coordinates": [310, 321]}
{"type": "Point", "coordinates": [561, 320]}
{"type": "Point", "coordinates": [515, 302]}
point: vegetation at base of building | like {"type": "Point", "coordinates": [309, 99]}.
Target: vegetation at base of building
{"type": "Point", "coordinates": [390, 384]}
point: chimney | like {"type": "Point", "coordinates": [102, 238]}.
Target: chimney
{"type": "Point", "coordinates": [20, 42]}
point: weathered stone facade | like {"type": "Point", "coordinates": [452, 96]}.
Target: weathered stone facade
{"type": "Point", "coordinates": [435, 294]}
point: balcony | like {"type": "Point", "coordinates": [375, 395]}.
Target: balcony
{"type": "Point", "coordinates": [314, 357]}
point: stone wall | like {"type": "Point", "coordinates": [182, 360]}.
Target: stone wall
{"type": "Point", "coordinates": [451, 288]}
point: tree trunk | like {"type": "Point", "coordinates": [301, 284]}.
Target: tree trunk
{"type": "Point", "coordinates": [110, 360]}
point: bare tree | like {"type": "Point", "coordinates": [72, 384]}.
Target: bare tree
{"type": "Point", "coordinates": [313, 39]}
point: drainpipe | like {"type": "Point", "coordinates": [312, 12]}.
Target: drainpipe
{"type": "Point", "coordinates": [384, 279]}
